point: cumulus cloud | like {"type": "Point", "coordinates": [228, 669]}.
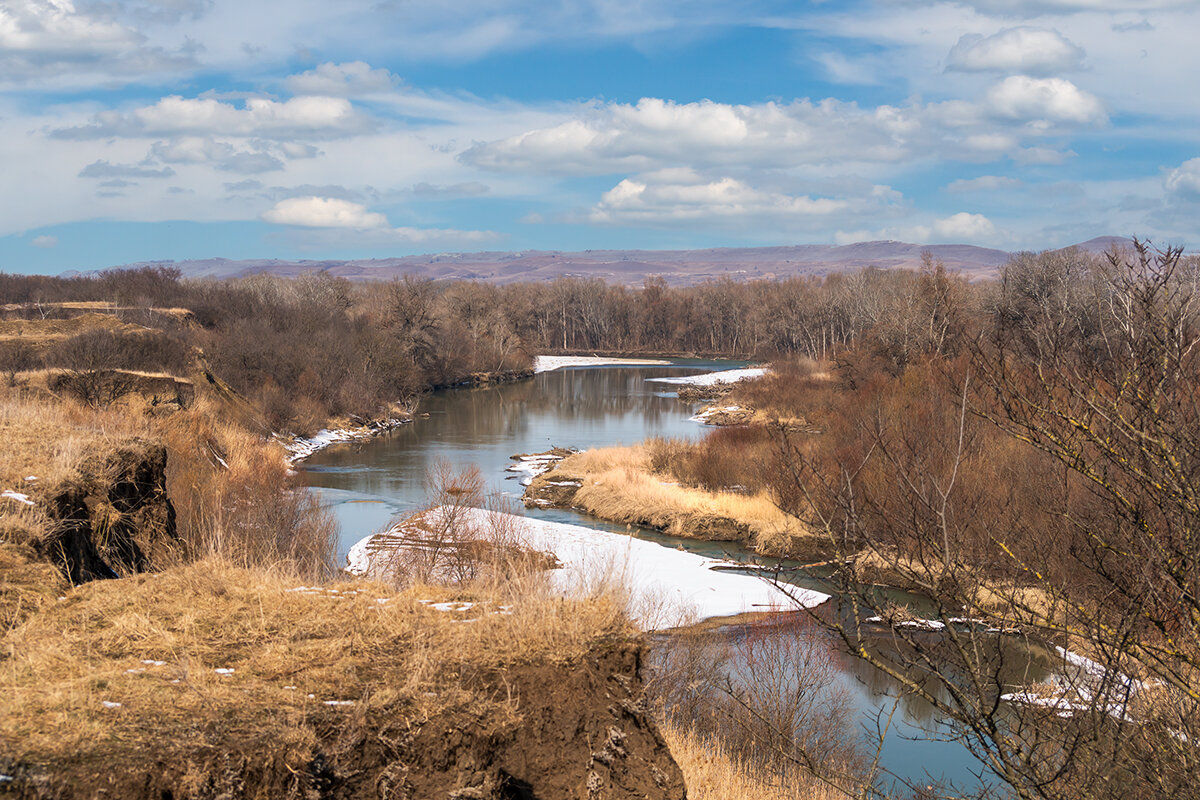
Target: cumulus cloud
{"type": "Point", "coordinates": [632, 201]}
{"type": "Point", "coordinates": [632, 138]}
{"type": "Point", "coordinates": [46, 38]}
{"type": "Point", "coordinates": [984, 183]}
{"type": "Point", "coordinates": [1051, 100]}
{"type": "Point", "coordinates": [653, 133]}
{"type": "Point", "coordinates": [219, 154]}
{"type": "Point", "coordinates": [299, 117]}
{"type": "Point", "coordinates": [44, 242]}
{"type": "Point", "coordinates": [323, 212]}
{"type": "Point", "coordinates": [1031, 51]}
{"type": "Point", "coordinates": [342, 80]}
{"type": "Point", "coordinates": [1184, 181]}
{"type": "Point", "coordinates": [103, 169]}
{"type": "Point", "coordinates": [964, 226]}
{"type": "Point", "coordinates": [961, 227]}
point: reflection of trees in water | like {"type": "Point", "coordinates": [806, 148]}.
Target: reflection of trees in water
{"type": "Point", "coordinates": [691, 680]}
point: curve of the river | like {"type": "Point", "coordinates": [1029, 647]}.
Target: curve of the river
{"type": "Point", "coordinates": [367, 483]}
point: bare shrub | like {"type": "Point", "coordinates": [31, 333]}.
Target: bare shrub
{"type": "Point", "coordinates": [463, 536]}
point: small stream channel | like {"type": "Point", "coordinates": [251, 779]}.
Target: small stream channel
{"type": "Point", "coordinates": [366, 484]}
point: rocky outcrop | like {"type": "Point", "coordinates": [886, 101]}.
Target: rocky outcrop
{"type": "Point", "coordinates": [115, 518]}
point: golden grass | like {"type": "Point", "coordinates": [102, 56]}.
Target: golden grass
{"type": "Point", "coordinates": [617, 484]}
{"type": "Point", "coordinates": [50, 439]}
{"type": "Point", "coordinates": [37, 331]}
{"type": "Point", "coordinates": [382, 650]}
{"type": "Point", "coordinates": [712, 773]}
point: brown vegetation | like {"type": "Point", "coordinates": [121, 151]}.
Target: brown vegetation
{"type": "Point", "coordinates": [211, 679]}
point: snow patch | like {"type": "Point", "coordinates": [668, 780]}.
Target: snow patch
{"type": "Point", "coordinates": [20, 498]}
{"type": "Point", "coordinates": [667, 587]}
{"type": "Point", "coordinates": [551, 363]}
{"type": "Point", "coordinates": [109, 704]}
{"type": "Point", "coordinates": [714, 378]}
{"type": "Point", "coordinates": [300, 448]}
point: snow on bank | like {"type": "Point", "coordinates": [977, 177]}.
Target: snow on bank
{"type": "Point", "coordinates": [714, 378]}
{"type": "Point", "coordinates": [667, 587]}
{"type": "Point", "coordinates": [528, 467]}
{"type": "Point", "coordinates": [300, 448]}
{"type": "Point", "coordinates": [551, 363]}
{"type": "Point", "coordinates": [705, 415]}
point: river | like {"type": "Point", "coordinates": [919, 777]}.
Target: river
{"type": "Point", "coordinates": [366, 484]}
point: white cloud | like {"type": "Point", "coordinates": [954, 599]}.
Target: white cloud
{"type": "Point", "coordinates": [1049, 100]}
{"type": "Point", "coordinates": [619, 137]}
{"type": "Point", "coordinates": [324, 212]}
{"type": "Point", "coordinates": [342, 80]}
{"type": "Point", "coordinates": [962, 227]}
{"type": "Point", "coordinates": [44, 242]}
{"type": "Point", "coordinates": [45, 38]}
{"type": "Point", "coordinates": [984, 183]}
{"type": "Point", "coordinates": [1032, 51]}
{"type": "Point", "coordinates": [1184, 181]}
{"type": "Point", "coordinates": [633, 201]}
{"type": "Point", "coordinates": [103, 169]}
{"type": "Point", "coordinates": [965, 226]}
{"type": "Point", "coordinates": [257, 156]}
{"type": "Point", "coordinates": [299, 117]}
{"type": "Point", "coordinates": [333, 220]}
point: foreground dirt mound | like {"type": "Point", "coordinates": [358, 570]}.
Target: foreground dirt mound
{"type": "Point", "coordinates": [210, 682]}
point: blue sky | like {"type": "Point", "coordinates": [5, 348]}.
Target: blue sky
{"type": "Point", "coordinates": [168, 129]}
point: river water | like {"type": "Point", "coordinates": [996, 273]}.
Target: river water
{"type": "Point", "coordinates": [366, 484]}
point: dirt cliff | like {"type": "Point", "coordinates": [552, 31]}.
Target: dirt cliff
{"type": "Point", "coordinates": [114, 518]}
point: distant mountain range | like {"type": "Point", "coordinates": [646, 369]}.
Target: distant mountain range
{"type": "Point", "coordinates": [631, 267]}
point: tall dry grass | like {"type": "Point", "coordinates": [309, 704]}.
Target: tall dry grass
{"type": "Point", "coordinates": [619, 484]}
{"type": "Point", "coordinates": [712, 772]}
{"type": "Point", "coordinates": [236, 498]}
{"type": "Point", "coordinates": [153, 644]}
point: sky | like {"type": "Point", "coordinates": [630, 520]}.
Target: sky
{"type": "Point", "coordinates": [138, 130]}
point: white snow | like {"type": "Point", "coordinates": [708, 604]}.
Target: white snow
{"type": "Point", "coordinates": [714, 378]}
{"type": "Point", "coordinates": [703, 416]}
{"type": "Point", "coordinates": [109, 704]}
{"type": "Point", "coordinates": [551, 363]}
{"type": "Point", "coordinates": [529, 467]}
{"type": "Point", "coordinates": [339, 702]}
{"type": "Point", "coordinates": [301, 448]}
{"type": "Point", "coordinates": [152, 663]}
{"type": "Point", "coordinates": [20, 498]}
{"type": "Point", "coordinates": [223, 670]}
{"type": "Point", "coordinates": [31, 477]}
{"type": "Point", "coordinates": [667, 587]}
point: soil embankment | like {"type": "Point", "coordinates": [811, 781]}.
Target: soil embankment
{"type": "Point", "coordinates": [208, 681]}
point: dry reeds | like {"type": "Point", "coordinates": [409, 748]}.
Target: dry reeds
{"type": "Point", "coordinates": [617, 483]}
{"type": "Point", "coordinates": [712, 772]}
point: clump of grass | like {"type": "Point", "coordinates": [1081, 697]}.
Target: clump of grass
{"type": "Point", "coordinates": [712, 772]}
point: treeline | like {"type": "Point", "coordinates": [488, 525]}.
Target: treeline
{"type": "Point", "coordinates": [1025, 456]}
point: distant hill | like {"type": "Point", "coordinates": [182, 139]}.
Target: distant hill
{"type": "Point", "coordinates": [631, 267]}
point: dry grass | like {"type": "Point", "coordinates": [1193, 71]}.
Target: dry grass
{"type": "Point", "coordinates": [384, 651]}
{"type": "Point", "coordinates": [618, 484]}
{"type": "Point", "coordinates": [713, 773]}
{"type": "Point", "coordinates": [50, 439]}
